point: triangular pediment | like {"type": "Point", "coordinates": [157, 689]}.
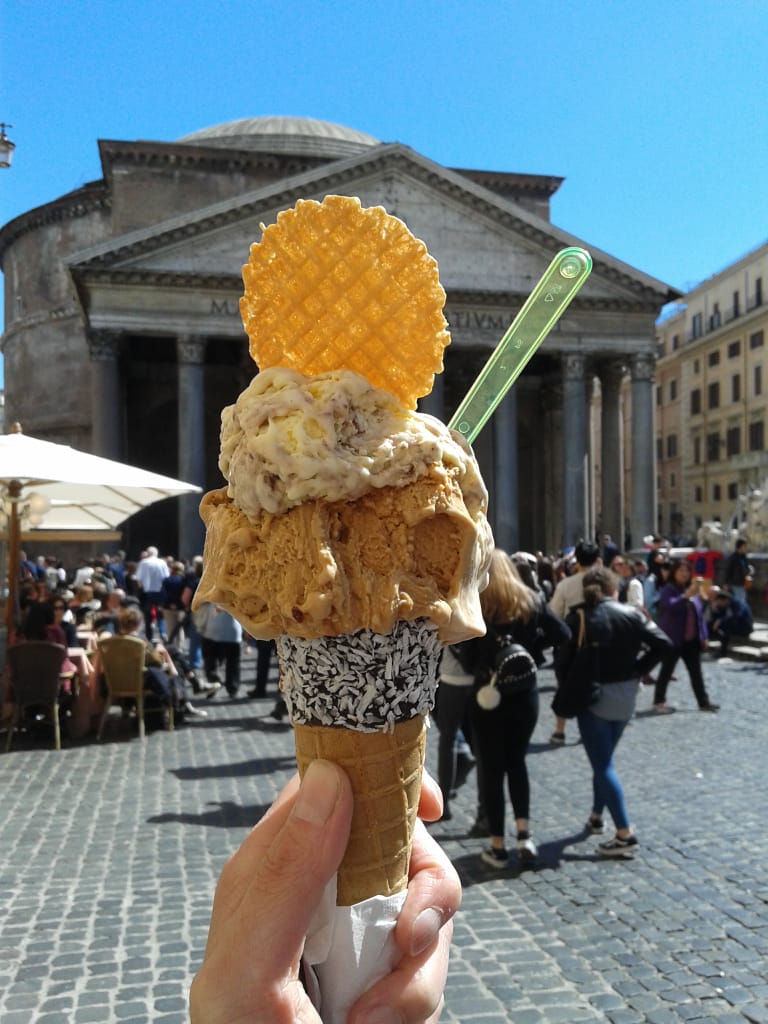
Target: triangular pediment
{"type": "Point", "coordinates": [484, 243]}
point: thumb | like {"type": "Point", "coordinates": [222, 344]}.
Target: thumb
{"type": "Point", "coordinates": [266, 895]}
{"type": "Point", "coordinates": [302, 858]}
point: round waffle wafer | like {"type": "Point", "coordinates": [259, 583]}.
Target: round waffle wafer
{"type": "Point", "coordinates": [334, 286]}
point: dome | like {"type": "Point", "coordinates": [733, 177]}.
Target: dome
{"type": "Point", "coordinates": [296, 136]}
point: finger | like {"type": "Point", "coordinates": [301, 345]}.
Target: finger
{"type": "Point", "coordinates": [414, 989]}
{"type": "Point", "coordinates": [431, 798]}
{"type": "Point", "coordinates": [434, 895]}
{"type": "Point", "coordinates": [268, 892]}
{"type": "Point", "coordinates": [238, 871]}
{"type": "Point", "coordinates": [303, 857]}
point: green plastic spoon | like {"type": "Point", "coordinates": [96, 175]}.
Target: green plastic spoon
{"type": "Point", "coordinates": [542, 309]}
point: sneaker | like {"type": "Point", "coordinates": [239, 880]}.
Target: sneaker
{"type": "Point", "coordinates": [595, 825]}
{"type": "Point", "coordinates": [194, 712]}
{"type": "Point", "coordinates": [557, 739]}
{"type": "Point", "coordinates": [496, 858]}
{"type": "Point", "coordinates": [709, 707]}
{"type": "Point", "coordinates": [205, 689]}
{"type": "Point", "coordinates": [527, 851]}
{"type": "Point", "coordinates": [663, 709]}
{"type": "Point", "coordinates": [617, 847]}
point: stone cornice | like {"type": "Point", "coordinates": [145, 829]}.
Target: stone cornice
{"type": "Point", "coordinates": [514, 299]}
{"type": "Point", "coordinates": [203, 158]}
{"type": "Point", "coordinates": [508, 182]}
{"type": "Point", "coordinates": [335, 176]}
{"type": "Point", "coordinates": [88, 275]}
{"type": "Point", "coordinates": [91, 197]}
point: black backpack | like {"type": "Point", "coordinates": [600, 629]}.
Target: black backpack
{"type": "Point", "coordinates": [514, 668]}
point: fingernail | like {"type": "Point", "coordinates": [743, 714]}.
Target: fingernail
{"type": "Point", "coordinates": [318, 793]}
{"type": "Point", "coordinates": [425, 930]}
{"type": "Point", "coordinates": [381, 1015]}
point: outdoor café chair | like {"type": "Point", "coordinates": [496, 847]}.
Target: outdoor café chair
{"type": "Point", "coordinates": [122, 660]}
{"type": "Point", "coordinates": [35, 667]}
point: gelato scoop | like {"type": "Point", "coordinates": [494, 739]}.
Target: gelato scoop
{"type": "Point", "coordinates": [344, 511]}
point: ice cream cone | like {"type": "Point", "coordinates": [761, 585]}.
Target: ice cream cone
{"type": "Point", "coordinates": [360, 700]}
{"type": "Point", "coordinates": [385, 771]}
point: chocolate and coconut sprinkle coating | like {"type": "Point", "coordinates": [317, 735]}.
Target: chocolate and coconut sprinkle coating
{"type": "Point", "coordinates": [365, 681]}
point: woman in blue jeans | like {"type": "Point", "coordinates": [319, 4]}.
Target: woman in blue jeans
{"type": "Point", "coordinates": [623, 644]}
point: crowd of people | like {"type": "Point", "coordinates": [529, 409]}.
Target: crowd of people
{"type": "Point", "coordinates": [613, 622]}
{"type": "Point", "coordinates": [607, 620]}
{"type": "Point", "coordinates": [190, 654]}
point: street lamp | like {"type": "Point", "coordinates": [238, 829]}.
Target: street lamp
{"type": "Point", "coordinates": [6, 146]}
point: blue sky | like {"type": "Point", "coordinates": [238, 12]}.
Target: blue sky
{"type": "Point", "coordinates": [655, 113]}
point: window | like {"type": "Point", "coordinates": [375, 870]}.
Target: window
{"type": "Point", "coordinates": [659, 449]}
{"type": "Point", "coordinates": [697, 450]}
{"type": "Point", "coordinates": [758, 291]}
{"type": "Point", "coordinates": [672, 390]}
{"type": "Point", "coordinates": [756, 340]}
{"type": "Point", "coordinates": [716, 492]}
{"type": "Point", "coordinates": [696, 325]}
{"type": "Point", "coordinates": [733, 441]}
{"type": "Point", "coordinates": [757, 380]}
{"type": "Point", "coordinates": [714, 320]}
{"type": "Point", "coordinates": [672, 446]}
{"type": "Point", "coordinates": [733, 492]}
{"type": "Point", "coordinates": [713, 359]}
{"type": "Point", "coordinates": [672, 481]}
{"type": "Point", "coordinates": [696, 366]}
{"type": "Point", "coordinates": [736, 304]}
{"type": "Point", "coordinates": [658, 396]}
{"type": "Point", "coordinates": [675, 342]}
{"type": "Point", "coordinates": [756, 436]}
{"type": "Point", "coordinates": [713, 447]}
{"type": "Point", "coordinates": [713, 395]}
{"type": "Point", "coordinates": [697, 495]}
{"type": "Point", "coordinates": [695, 401]}
{"type": "Point", "coordinates": [736, 387]}
{"type": "Point", "coordinates": [734, 349]}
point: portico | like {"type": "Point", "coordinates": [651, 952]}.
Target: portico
{"type": "Point", "coordinates": [161, 342]}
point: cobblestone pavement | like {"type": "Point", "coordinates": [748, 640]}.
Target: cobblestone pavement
{"type": "Point", "coordinates": [110, 854]}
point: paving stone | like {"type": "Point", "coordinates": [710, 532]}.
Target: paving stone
{"type": "Point", "coordinates": [107, 893]}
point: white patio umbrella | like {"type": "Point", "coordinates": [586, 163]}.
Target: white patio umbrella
{"type": "Point", "coordinates": [56, 487]}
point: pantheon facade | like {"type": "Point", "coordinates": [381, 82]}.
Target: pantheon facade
{"type": "Point", "coordinates": [122, 334]}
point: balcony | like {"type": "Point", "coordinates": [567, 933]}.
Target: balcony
{"type": "Point", "coordinates": [749, 460]}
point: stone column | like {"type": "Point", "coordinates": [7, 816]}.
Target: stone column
{"type": "Point", "coordinates": [551, 507]}
{"type": "Point", "coordinates": [433, 402]}
{"type": "Point", "coordinates": [506, 526]}
{"type": "Point", "coordinates": [611, 515]}
{"type": "Point", "coordinates": [190, 353]}
{"type": "Point", "coordinates": [643, 479]}
{"type": "Point", "coordinates": [574, 448]}
{"type": "Point", "coordinates": [106, 406]}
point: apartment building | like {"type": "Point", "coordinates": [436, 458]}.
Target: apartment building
{"type": "Point", "coordinates": [710, 398]}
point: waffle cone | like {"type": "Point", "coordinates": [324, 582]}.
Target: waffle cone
{"type": "Point", "coordinates": [385, 771]}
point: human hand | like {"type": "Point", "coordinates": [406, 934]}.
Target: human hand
{"type": "Point", "coordinates": [268, 892]}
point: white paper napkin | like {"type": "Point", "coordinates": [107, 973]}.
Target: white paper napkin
{"type": "Point", "coordinates": [348, 949]}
